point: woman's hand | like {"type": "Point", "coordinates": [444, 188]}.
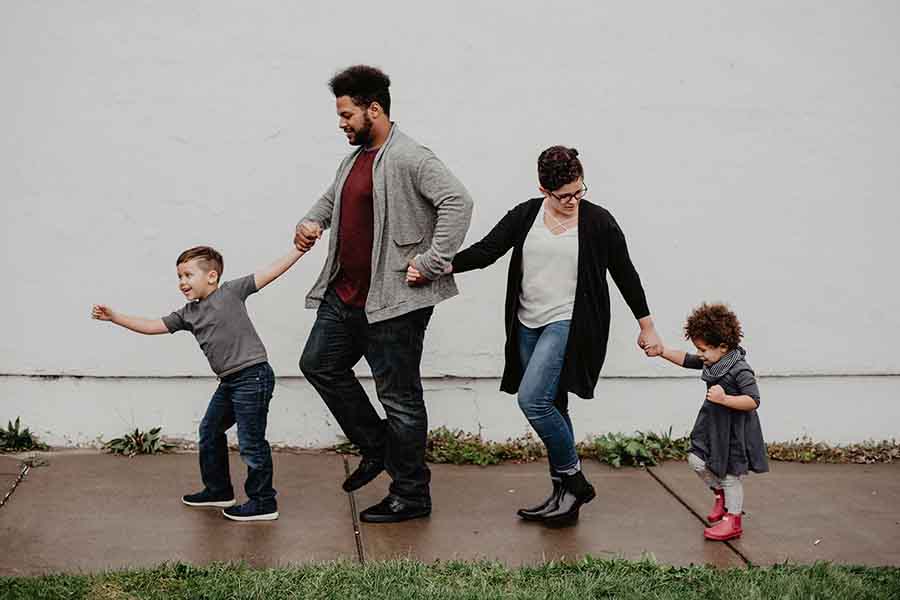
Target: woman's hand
{"type": "Point", "coordinates": [716, 394]}
{"type": "Point", "coordinates": [648, 340]}
{"type": "Point", "coordinates": [414, 277]}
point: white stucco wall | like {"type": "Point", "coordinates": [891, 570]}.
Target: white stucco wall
{"type": "Point", "coordinates": [71, 411]}
{"type": "Point", "coordinates": [747, 149]}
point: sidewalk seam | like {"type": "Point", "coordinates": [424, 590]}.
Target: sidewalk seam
{"type": "Point", "coordinates": [25, 468]}
{"type": "Point", "coordinates": [695, 513]}
{"type": "Point", "coordinates": [354, 514]}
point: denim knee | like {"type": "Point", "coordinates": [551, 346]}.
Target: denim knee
{"type": "Point", "coordinates": [534, 408]}
{"type": "Point", "coordinates": [310, 365]}
{"type": "Point", "coordinates": [207, 433]}
{"type": "Point", "coordinates": [406, 410]}
{"type": "Point", "coordinates": [256, 456]}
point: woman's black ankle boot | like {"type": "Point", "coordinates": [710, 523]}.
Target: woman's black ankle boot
{"type": "Point", "coordinates": [536, 512]}
{"type": "Point", "coordinates": [575, 491]}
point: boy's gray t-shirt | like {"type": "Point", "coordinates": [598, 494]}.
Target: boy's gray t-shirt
{"type": "Point", "coordinates": [222, 327]}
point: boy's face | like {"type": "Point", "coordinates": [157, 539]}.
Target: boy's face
{"type": "Point", "coordinates": [710, 354]}
{"type": "Point", "coordinates": [195, 282]}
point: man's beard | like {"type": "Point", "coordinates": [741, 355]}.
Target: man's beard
{"type": "Point", "coordinates": [364, 135]}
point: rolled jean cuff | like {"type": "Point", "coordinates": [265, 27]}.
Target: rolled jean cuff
{"type": "Point", "coordinates": [570, 470]}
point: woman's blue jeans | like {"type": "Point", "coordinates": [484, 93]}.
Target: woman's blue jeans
{"type": "Point", "coordinates": [542, 352]}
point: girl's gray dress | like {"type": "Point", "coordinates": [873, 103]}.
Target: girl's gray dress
{"type": "Point", "coordinates": [729, 441]}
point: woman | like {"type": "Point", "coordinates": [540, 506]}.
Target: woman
{"type": "Point", "coordinates": [557, 313]}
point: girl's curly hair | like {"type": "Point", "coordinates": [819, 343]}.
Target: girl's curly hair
{"type": "Point", "coordinates": [557, 166]}
{"type": "Point", "coordinates": [715, 324]}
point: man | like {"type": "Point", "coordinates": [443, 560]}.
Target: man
{"type": "Point", "coordinates": [393, 205]}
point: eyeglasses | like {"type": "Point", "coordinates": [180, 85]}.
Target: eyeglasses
{"type": "Point", "coordinates": [579, 195]}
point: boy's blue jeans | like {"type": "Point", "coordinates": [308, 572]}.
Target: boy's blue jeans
{"type": "Point", "coordinates": [542, 352]}
{"type": "Point", "coordinates": [241, 398]}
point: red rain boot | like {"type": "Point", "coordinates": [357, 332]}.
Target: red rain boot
{"type": "Point", "coordinates": [726, 529]}
{"type": "Point", "coordinates": [718, 509]}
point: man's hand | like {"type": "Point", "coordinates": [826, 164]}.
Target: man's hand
{"type": "Point", "coordinates": [414, 277]}
{"type": "Point", "coordinates": [306, 235]}
{"type": "Point", "coordinates": [716, 394]}
{"type": "Point", "coordinates": [101, 312]}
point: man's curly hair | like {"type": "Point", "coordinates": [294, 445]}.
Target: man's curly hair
{"type": "Point", "coordinates": [715, 324]}
{"type": "Point", "coordinates": [364, 85]}
{"type": "Point", "coordinates": [557, 166]}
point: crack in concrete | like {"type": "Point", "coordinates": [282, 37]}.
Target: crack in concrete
{"type": "Point", "coordinates": [354, 515]}
{"type": "Point", "coordinates": [696, 514]}
{"type": "Point", "coordinates": [22, 474]}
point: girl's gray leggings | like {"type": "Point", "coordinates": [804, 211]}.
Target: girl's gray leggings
{"type": "Point", "coordinates": [734, 489]}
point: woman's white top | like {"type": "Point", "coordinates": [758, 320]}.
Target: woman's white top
{"type": "Point", "coordinates": [549, 275]}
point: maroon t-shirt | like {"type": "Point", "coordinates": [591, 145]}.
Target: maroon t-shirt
{"type": "Point", "coordinates": [356, 232]}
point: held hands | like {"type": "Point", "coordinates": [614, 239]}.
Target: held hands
{"type": "Point", "coordinates": [101, 312]}
{"type": "Point", "coordinates": [414, 277]}
{"type": "Point", "coordinates": [716, 394]}
{"type": "Point", "coordinates": [306, 235]}
{"type": "Point", "coordinates": [650, 342]}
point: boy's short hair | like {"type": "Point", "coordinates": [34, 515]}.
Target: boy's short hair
{"type": "Point", "coordinates": [715, 324]}
{"type": "Point", "coordinates": [558, 166]}
{"type": "Point", "coordinates": [208, 258]}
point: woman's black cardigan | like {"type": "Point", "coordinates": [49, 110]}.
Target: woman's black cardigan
{"type": "Point", "coordinates": [601, 247]}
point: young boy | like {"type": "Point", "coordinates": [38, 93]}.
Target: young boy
{"type": "Point", "coordinates": [217, 317]}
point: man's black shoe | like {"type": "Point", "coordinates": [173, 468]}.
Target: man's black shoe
{"type": "Point", "coordinates": [367, 470]}
{"type": "Point", "coordinates": [393, 510]}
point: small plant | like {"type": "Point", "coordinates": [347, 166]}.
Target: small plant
{"type": "Point", "coordinates": [639, 450]}
{"type": "Point", "coordinates": [642, 449]}
{"type": "Point", "coordinates": [457, 447]}
{"type": "Point", "coordinates": [805, 450]}
{"type": "Point", "coordinates": [14, 439]}
{"type": "Point", "coordinates": [138, 442]}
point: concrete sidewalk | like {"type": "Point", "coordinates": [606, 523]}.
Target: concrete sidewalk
{"type": "Point", "coordinates": [87, 511]}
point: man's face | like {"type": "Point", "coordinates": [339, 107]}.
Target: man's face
{"type": "Point", "coordinates": [354, 121]}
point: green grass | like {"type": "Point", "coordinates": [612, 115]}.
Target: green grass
{"type": "Point", "coordinates": [402, 579]}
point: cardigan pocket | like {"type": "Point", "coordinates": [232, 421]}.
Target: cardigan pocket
{"type": "Point", "coordinates": [403, 250]}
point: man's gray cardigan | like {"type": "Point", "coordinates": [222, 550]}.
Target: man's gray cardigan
{"type": "Point", "coordinates": [419, 208]}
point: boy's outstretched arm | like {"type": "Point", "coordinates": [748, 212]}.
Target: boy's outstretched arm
{"type": "Point", "coordinates": [101, 312]}
{"type": "Point", "coordinates": [267, 275]}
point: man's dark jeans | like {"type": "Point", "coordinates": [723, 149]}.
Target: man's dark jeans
{"type": "Point", "coordinates": [241, 398]}
{"type": "Point", "coordinates": [342, 335]}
